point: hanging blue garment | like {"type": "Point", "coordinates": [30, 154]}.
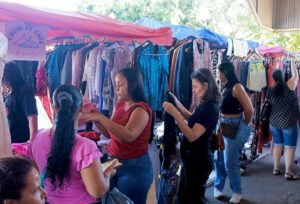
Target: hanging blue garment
{"type": "Point", "coordinates": [154, 66]}
{"type": "Point", "coordinates": [55, 65]}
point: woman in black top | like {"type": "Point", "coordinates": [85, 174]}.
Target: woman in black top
{"type": "Point", "coordinates": [236, 112]}
{"type": "Point", "coordinates": [20, 104]}
{"type": "Point", "coordinates": [195, 147]}
{"type": "Point", "coordinates": [284, 120]}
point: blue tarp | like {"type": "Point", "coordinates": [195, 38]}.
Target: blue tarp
{"type": "Point", "coordinates": [216, 40]}
{"type": "Point", "coordinates": [253, 44]}
{"type": "Point", "coordinates": [179, 32]}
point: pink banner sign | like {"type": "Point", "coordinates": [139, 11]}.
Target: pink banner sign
{"type": "Point", "coordinates": [25, 41]}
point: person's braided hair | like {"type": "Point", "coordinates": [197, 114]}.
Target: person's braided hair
{"type": "Point", "coordinates": [67, 100]}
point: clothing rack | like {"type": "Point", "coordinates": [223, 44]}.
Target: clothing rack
{"type": "Point", "coordinates": [66, 40]}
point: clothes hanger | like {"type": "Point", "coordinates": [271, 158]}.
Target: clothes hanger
{"type": "Point", "coordinates": [255, 57]}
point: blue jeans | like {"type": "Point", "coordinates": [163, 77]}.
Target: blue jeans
{"type": "Point", "coordinates": [229, 163]}
{"type": "Point", "coordinates": [134, 178]}
{"type": "Point", "coordinates": [287, 137]}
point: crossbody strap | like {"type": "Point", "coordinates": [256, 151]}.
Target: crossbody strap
{"type": "Point", "coordinates": [42, 177]}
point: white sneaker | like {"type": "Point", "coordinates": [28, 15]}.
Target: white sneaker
{"type": "Point", "coordinates": [243, 171]}
{"type": "Point", "coordinates": [218, 194]}
{"type": "Point", "coordinates": [236, 198]}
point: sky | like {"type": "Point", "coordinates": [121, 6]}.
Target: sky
{"type": "Point", "coordinates": [66, 5]}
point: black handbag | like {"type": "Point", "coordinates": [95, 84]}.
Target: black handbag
{"type": "Point", "coordinates": [266, 109]}
{"type": "Point", "coordinates": [265, 116]}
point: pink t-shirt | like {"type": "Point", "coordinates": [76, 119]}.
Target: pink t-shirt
{"type": "Point", "coordinates": [84, 153]}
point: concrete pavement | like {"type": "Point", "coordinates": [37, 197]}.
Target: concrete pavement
{"type": "Point", "coordinates": [261, 187]}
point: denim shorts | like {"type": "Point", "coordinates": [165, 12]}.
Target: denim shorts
{"type": "Point", "coordinates": [287, 137]}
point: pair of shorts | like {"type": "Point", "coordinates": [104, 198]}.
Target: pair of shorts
{"type": "Point", "coordinates": [287, 137]}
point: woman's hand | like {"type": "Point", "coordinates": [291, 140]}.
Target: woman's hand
{"type": "Point", "coordinates": [170, 108]}
{"type": "Point", "coordinates": [110, 171]}
{"type": "Point", "coordinates": [90, 117]}
{"type": "Point", "coordinates": [89, 107]}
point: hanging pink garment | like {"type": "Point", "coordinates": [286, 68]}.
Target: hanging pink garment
{"type": "Point", "coordinates": [271, 51]}
{"type": "Point", "coordinates": [202, 59]}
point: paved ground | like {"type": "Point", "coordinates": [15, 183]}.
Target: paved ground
{"type": "Point", "coordinates": [261, 187]}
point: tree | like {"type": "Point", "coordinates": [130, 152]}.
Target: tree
{"type": "Point", "coordinates": [228, 17]}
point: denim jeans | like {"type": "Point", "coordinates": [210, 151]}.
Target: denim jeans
{"type": "Point", "coordinates": [229, 163]}
{"type": "Point", "coordinates": [134, 178]}
{"type": "Point", "coordinates": [287, 137]}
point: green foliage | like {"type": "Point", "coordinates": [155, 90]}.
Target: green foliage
{"type": "Point", "coordinates": [228, 17]}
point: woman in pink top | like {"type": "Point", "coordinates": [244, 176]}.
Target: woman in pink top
{"type": "Point", "coordinates": [70, 163]}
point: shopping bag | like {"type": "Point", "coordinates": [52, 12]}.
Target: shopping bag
{"type": "Point", "coordinates": [116, 197]}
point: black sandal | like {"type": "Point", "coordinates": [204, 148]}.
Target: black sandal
{"type": "Point", "coordinates": [290, 177]}
{"type": "Point", "coordinates": [277, 172]}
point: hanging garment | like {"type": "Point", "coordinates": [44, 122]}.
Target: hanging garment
{"type": "Point", "coordinates": [184, 69]}
{"type": "Point", "coordinates": [201, 54]}
{"type": "Point", "coordinates": [152, 61]}
{"type": "Point", "coordinates": [271, 64]}
{"type": "Point", "coordinates": [256, 76]}
{"type": "Point", "coordinates": [89, 75]}
{"type": "Point", "coordinates": [47, 106]}
{"type": "Point", "coordinates": [100, 74]}
{"type": "Point", "coordinates": [173, 68]}
{"type": "Point", "coordinates": [54, 65]}
{"type": "Point", "coordinates": [170, 136]}
{"type": "Point", "coordinates": [108, 90]}
{"type": "Point", "coordinates": [202, 58]}
{"type": "Point", "coordinates": [298, 89]}
{"type": "Point", "coordinates": [244, 73]}
{"type": "Point", "coordinates": [168, 182]}
{"type": "Point", "coordinates": [122, 58]}
{"type": "Point", "coordinates": [214, 62]}
{"type": "Point", "coordinates": [66, 72]}
{"type": "Point", "coordinates": [41, 81]}
{"type": "Point", "coordinates": [230, 47]}
{"type": "Point", "coordinates": [240, 48]}
{"type": "Point", "coordinates": [78, 59]}
{"type": "Point", "coordinates": [5, 141]}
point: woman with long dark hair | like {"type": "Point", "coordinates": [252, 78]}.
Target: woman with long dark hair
{"type": "Point", "coordinates": [70, 163]}
{"type": "Point", "coordinates": [284, 120]}
{"type": "Point", "coordinates": [20, 182]}
{"type": "Point", "coordinates": [236, 113]}
{"type": "Point", "coordinates": [195, 148]}
{"type": "Point", "coordinates": [20, 104]}
{"type": "Point", "coordinates": [129, 129]}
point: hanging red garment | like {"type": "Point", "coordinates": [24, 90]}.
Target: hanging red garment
{"type": "Point", "coordinates": [47, 106]}
{"type": "Point", "coordinates": [41, 81]}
